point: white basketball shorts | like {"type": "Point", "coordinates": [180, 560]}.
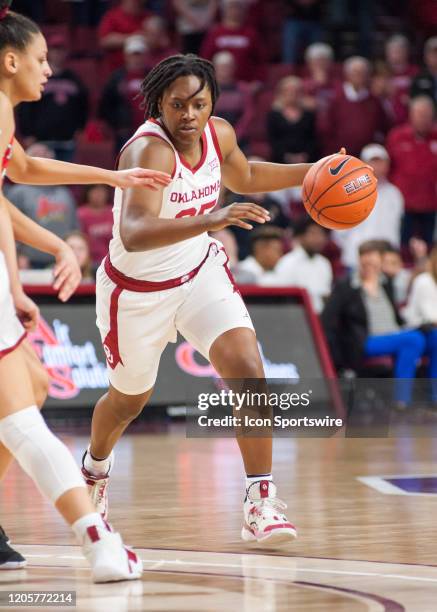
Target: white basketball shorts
{"type": "Point", "coordinates": [136, 327]}
{"type": "Point", "coordinates": [11, 330]}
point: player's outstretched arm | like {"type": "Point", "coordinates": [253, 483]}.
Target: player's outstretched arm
{"type": "Point", "coordinates": [242, 176]}
{"type": "Point", "coordinates": [141, 229]}
{"type": "Point", "coordinates": [66, 273]}
{"type": "Point", "coordinates": [36, 171]}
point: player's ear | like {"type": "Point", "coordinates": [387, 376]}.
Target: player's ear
{"type": "Point", "coordinates": [10, 62]}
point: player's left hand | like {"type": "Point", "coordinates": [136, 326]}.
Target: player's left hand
{"type": "Point", "coordinates": [66, 273]}
{"type": "Point", "coordinates": [26, 309]}
{"type": "Point", "coordinates": [140, 177]}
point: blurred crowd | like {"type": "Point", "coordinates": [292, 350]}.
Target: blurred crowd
{"type": "Point", "coordinates": [299, 79]}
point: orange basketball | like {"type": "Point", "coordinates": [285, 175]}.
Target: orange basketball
{"type": "Point", "coordinates": [339, 191]}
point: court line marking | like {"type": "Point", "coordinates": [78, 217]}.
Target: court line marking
{"type": "Point", "coordinates": [382, 486]}
{"type": "Point", "coordinates": [180, 562]}
{"type": "Point", "coordinates": [257, 553]}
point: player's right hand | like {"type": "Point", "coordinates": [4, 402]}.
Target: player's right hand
{"type": "Point", "coordinates": [26, 309]}
{"type": "Point", "coordinates": [235, 213]}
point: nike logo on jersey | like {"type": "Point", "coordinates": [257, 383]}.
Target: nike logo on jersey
{"type": "Point", "coordinates": [336, 170]}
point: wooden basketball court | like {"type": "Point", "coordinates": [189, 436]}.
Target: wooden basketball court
{"type": "Point", "coordinates": [365, 509]}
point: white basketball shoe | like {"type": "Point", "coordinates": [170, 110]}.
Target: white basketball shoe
{"type": "Point", "coordinates": [110, 559]}
{"type": "Point", "coordinates": [98, 487]}
{"type": "Point", "coordinates": [264, 521]}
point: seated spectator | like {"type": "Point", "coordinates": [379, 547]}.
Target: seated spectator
{"type": "Point", "coordinates": [62, 111]}
{"type": "Point", "coordinates": [158, 42]}
{"type": "Point", "coordinates": [266, 247]}
{"type": "Point", "coordinates": [397, 275]}
{"type": "Point", "coordinates": [95, 221]}
{"type": "Point", "coordinates": [421, 308]}
{"type": "Point", "coordinates": [425, 82]}
{"type": "Point", "coordinates": [355, 117]}
{"type": "Point", "coordinates": [235, 35]}
{"type": "Point", "coordinates": [119, 105]}
{"type": "Point", "coordinates": [384, 222]}
{"type": "Point", "coordinates": [194, 19]}
{"type": "Point", "coordinates": [290, 127]}
{"type": "Point", "coordinates": [304, 266]}
{"type": "Point", "coordinates": [53, 207]}
{"type": "Point", "coordinates": [118, 24]}
{"type": "Point", "coordinates": [398, 73]}
{"type": "Point", "coordinates": [88, 12]}
{"type": "Point", "coordinates": [80, 245]}
{"type": "Point", "coordinates": [360, 320]}
{"type": "Point", "coordinates": [235, 103]}
{"type": "Point", "coordinates": [302, 27]}
{"type": "Point", "coordinates": [413, 152]}
{"type": "Point", "coordinates": [321, 81]}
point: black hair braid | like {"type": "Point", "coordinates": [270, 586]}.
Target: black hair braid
{"type": "Point", "coordinates": [16, 30]}
{"type": "Point", "coordinates": [170, 69]}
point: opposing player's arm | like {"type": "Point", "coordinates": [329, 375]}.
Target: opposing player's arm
{"type": "Point", "coordinates": [37, 171]}
{"type": "Point", "coordinates": [242, 176]}
{"type": "Point", "coordinates": [141, 229]}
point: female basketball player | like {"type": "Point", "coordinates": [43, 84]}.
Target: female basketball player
{"type": "Point", "coordinates": [23, 72]}
{"type": "Point", "coordinates": [165, 274]}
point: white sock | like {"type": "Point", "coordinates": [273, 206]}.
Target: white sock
{"type": "Point", "coordinates": [89, 520]}
{"type": "Point", "coordinates": [97, 467]}
{"type": "Point", "coordinates": [251, 478]}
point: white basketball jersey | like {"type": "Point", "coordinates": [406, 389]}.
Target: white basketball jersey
{"type": "Point", "coordinates": [192, 192]}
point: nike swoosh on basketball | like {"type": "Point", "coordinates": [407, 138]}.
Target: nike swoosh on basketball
{"type": "Point", "coordinates": [335, 171]}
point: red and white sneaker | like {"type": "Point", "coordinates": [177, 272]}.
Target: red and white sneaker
{"type": "Point", "coordinates": [264, 522]}
{"type": "Point", "coordinates": [110, 559]}
{"type": "Point", "coordinates": [98, 487]}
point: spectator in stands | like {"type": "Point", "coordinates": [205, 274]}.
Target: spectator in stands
{"type": "Point", "coordinates": [95, 221]}
{"type": "Point", "coordinates": [63, 109]}
{"type": "Point", "coordinates": [119, 105]}
{"type": "Point", "coordinates": [397, 275]}
{"type": "Point", "coordinates": [413, 151]}
{"type": "Point", "coordinates": [421, 312]}
{"type": "Point", "coordinates": [53, 207]}
{"type": "Point", "coordinates": [360, 320]}
{"type": "Point", "coordinates": [304, 266]}
{"type": "Point", "coordinates": [235, 103]}
{"type": "Point", "coordinates": [88, 12]}
{"type": "Point", "coordinates": [384, 222]}
{"type": "Point", "coordinates": [355, 117]}
{"type": "Point", "coordinates": [266, 248]}
{"type": "Point", "coordinates": [194, 19]}
{"type": "Point", "coordinates": [290, 127]}
{"type": "Point", "coordinates": [425, 82]}
{"type": "Point", "coordinates": [396, 74]}
{"type": "Point", "coordinates": [321, 81]}
{"type": "Point", "coordinates": [81, 248]}
{"type": "Point", "coordinates": [235, 35]}
{"type": "Point", "coordinates": [119, 23]}
{"type": "Point", "coordinates": [302, 27]}
{"type": "Point", "coordinates": [158, 42]}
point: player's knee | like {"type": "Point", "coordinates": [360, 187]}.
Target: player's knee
{"type": "Point", "coordinates": [240, 365]}
{"type": "Point", "coordinates": [126, 408]}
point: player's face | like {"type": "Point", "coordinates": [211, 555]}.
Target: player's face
{"type": "Point", "coordinates": [185, 110]}
{"type": "Point", "coordinates": [33, 70]}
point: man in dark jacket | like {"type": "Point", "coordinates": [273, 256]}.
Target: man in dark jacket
{"type": "Point", "coordinates": [425, 83]}
{"type": "Point", "coordinates": [360, 320]}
